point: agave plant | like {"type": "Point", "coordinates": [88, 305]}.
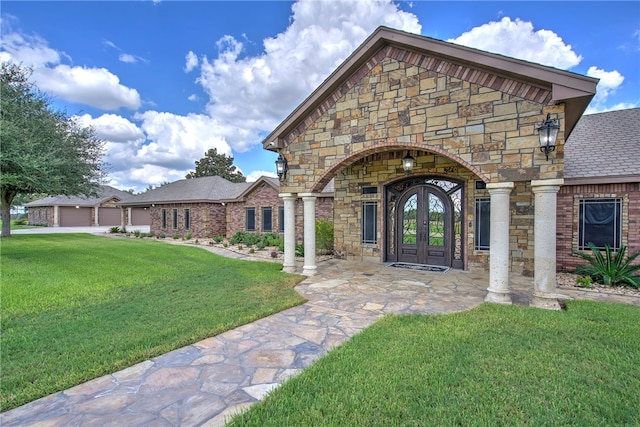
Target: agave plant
{"type": "Point", "coordinates": [610, 268]}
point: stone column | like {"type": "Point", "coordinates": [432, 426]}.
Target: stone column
{"type": "Point", "coordinates": [498, 290]}
{"type": "Point", "coordinates": [309, 268]}
{"type": "Point", "coordinates": [289, 264]}
{"type": "Point", "coordinates": [56, 216]}
{"type": "Point", "coordinates": [128, 216]}
{"type": "Point", "coordinates": [96, 216]}
{"type": "Point", "coordinates": [544, 270]}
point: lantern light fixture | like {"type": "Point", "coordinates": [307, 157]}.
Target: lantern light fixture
{"type": "Point", "coordinates": [281, 167]}
{"type": "Point", "coordinates": [408, 163]}
{"type": "Point", "coordinates": [548, 133]}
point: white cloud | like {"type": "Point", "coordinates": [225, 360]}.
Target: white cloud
{"type": "Point", "coordinates": [191, 62]}
{"type": "Point", "coordinates": [96, 87]}
{"type": "Point", "coordinates": [127, 58]}
{"type": "Point", "coordinates": [609, 82]}
{"type": "Point", "coordinates": [113, 128]}
{"type": "Point", "coordinates": [255, 175]}
{"type": "Point", "coordinates": [518, 39]}
{"type": "Point", "coordinates": [250, 95]}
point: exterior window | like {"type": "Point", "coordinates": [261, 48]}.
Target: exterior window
{"type": "Point", "coordinates": [369, 222]}
{"type": "Point", "coordinates": [483, 221]}
{"type": "Point", "coordinates": [250, 214]}
{"type": "Point", "coordinates": [267, 220]}
{"type": "Point", "coordinates": [187, 219]}
{"type": "Point", "coordinates": [599, 222]}
{"type": "Point", "coordinates": [281, 219]}
{"type": "Point", "coordinates": [164, 219]}
{"type": "Point", "coordinates": [175, 219]}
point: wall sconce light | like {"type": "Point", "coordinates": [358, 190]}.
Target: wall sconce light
{"type": "Point", "coordinates": [548, 132]}
{"type": "Point", "coordinates": [407, 163]}
{"type": "Point", "coordinates": [281, 167]}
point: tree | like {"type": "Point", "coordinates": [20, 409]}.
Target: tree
{"type": "Point", "coordinates": [43, 151]}
{"type": "Point", "coordinates": [214, 164]}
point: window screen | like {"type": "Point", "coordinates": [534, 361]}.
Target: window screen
{"type": "Point", "coordinates": [369, 222]}
{"type": "Point", "coordinates": [267, 220]}
{"type": "Point", "coordinates": [251, 219]}
{"type": "Point", "coordinates": [483, 221]}
{"type": "Point", "coordinates": [599, 223]}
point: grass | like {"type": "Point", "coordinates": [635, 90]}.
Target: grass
{"type": "Point", "coordinates": [75, 306]}
{"type": "Point", "coordinates": [493, 365]}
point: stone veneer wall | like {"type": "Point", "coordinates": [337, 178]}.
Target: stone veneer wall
{"type": "Point", "coordinates": [568, 216]}
{"type": "Point", "coordinates": [206, 219]}
{"type": "Point", "coordinates": [479, 125]}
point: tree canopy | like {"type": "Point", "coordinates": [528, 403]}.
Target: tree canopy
{"type": "Point", "coordinates": [43, 151]}
{"type": "Point", "coordinates": [214, 164]}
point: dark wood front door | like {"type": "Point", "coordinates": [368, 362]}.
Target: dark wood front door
{"type": "Point", "coordinates": [424, 226]}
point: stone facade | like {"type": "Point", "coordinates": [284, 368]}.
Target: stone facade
{"type": "Point", "coordinates": [455, 121]}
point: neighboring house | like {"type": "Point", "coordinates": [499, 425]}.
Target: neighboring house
{"type": "Point", "coordinates": [211, 206]}
{"type": "Point", "coordinates": [469, 120]}
{"type": "Point", "coordinates": [80, 211]}
{"type": "Point", "coordinates": [600, 199]}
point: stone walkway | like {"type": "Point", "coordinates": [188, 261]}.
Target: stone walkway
{"type": "Point", "coordinates": [204, 383]}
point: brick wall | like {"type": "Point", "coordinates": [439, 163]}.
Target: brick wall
{"type": "Point", "coordinates": [207, 220]}
{"type": "Point", "coordinates": [41, 216]}
{"type": "Point", "coordinates": [567, 222]}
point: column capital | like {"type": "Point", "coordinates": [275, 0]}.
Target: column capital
{"type": "Point", "coordinates": [508, 185]}
{"type": "Point", "coordinates": [288, 195]}
{"type": "Point", "coordinates": [546, 184]}
{"type": "Point", "coordinates": [314, 195]}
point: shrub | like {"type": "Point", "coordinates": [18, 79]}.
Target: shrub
{"type": "Point", "coordinates": [245, 237]}
{"type": "Point", "coordinates": [189, 236]}
{"type": "Point", "coordinates": [610, 269]}
{"type": "Point", "coordinates": [176, 236]}
{"type": "Point", "coordinates": [20, 222]}
{"type": "Point", "coordinates": [324, 236]}
{"type": "Point", "coordinates": [114, 229]}
{"type": "Point", "coordinates": [584, 281]}
{"type": "Point", "coordinates": [299, 250]}
{"type": "Point", "coordinates": [137, 233]}
{"type": "Point", "coordinates": [218, 239]}
{"type": "Point", "coordinates": [252, 251]}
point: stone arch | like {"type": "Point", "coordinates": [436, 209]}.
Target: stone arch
{"type": "Point", "coordinates": [331, 172]}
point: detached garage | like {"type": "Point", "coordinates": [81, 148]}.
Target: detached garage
{"type": "Point", "coordinates": [78, 211]}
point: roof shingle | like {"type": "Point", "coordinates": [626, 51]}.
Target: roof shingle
{"type": "Point", "coordinates": [604, 145]}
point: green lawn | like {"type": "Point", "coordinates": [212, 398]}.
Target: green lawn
{"type": "Point", "coordinates": [76, 306]}
{"type": "Point", "coordinates": [491, 366]}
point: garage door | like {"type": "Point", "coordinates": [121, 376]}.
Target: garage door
{"type": "Point", "coordinates": [140, 216]}
{"type": "Point", "coordinates": [109, 216]}
{"type": "Point", "coordinates": [75, 217]}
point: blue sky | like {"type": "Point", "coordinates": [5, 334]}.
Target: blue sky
{"type": "Point", "coordinates": [164, 81]}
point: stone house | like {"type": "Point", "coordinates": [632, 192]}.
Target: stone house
{"type": "Point", "coordinates": [468, 120]}
{"type": "Point", "coordinates": [79, 211]}
{"type": "Point", "coordinates": [211, 206]}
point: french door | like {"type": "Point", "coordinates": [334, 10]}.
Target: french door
{"type": "Point", "coordinates": [424, 226]}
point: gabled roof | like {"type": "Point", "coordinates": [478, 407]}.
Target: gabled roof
{"type": "Point", "coordinates": [575, 90]}
{"type": "Point", "coordinates": [273, 182]}
{"type": "Point", "coordinates": [604, 147]}
{"type": "Point", "coordinates": [203, 189]}
{"type": "Point", "coordinates": [105, 193]}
